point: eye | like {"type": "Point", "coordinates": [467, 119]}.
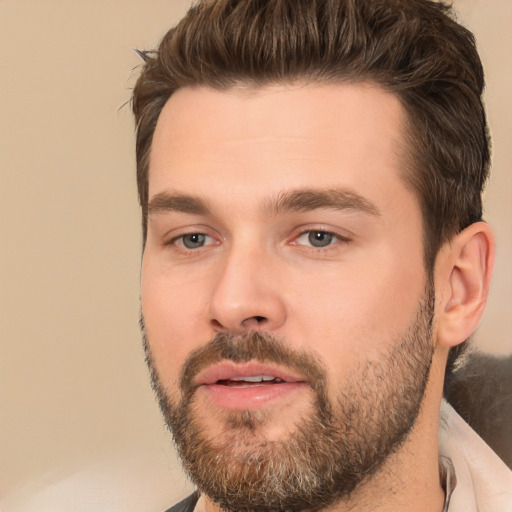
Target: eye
{"type": "Point", "coordinates": [194, 240]}
{"type": "Point", "coordinates": [317, 239]}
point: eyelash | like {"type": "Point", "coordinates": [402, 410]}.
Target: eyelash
{"type": "Point", "coordinates": [179, 241]}
{"type": "Point", "coordinates": [335, 239]}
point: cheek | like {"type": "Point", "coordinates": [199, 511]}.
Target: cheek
{"type": "Point", "coordinates": [353, 315]}
{"type": "Point", "coordinates": [171, 312]}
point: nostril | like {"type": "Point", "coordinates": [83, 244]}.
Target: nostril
{"type": "Point", "coordinates": [216, 324]}
{"type": "Point", "coordinates": [254, 322]}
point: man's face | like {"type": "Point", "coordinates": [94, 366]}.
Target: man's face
{"type": "Point", "coordinates": [282, 211]}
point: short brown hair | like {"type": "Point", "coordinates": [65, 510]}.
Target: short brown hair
{"type": "Point", "coordinates": [413, 48]}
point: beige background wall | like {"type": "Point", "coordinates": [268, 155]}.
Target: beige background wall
{"type": "Point", "coordinates": [79, 429]}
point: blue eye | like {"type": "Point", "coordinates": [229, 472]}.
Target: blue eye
{"type": "Point", "coordinates": [193, 240]}
{"type": "Point", "coordinates": [320, 238]}
{"type": "Point", "coordinates": [317, 239]}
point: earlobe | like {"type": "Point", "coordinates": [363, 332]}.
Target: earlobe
{"type": "Point", "coordinates": [464, 279]}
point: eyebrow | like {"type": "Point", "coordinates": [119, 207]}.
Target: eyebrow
{"type": "Point", "coordinates": [175, 202]}
{"type": "Point", "coordinates": [301, 200]}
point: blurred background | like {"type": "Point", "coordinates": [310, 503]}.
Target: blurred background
{"type": "Point", "coordinates": [79, 427]}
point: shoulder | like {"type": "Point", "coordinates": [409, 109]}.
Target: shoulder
{"type": "Point", "coordinates": [480, 390]}
{"type": "Point", "coordinates": [186, 505]}
{"type": "Point", "coordinates": [482, 480]}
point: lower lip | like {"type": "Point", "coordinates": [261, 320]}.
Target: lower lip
{"type": "Point", "coordinates": [253, 397]}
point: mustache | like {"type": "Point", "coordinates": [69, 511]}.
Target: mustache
{"type": "Point", "coordinates": [259, 346]}
{"type": "Point", "coordinates": [251, 346]}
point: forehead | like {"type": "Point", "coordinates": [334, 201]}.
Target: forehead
{"type": "Point", "coordinates": [269, 139]}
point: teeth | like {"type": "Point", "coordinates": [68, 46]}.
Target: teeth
{"type": "Point", "coordinates": [257, 378]}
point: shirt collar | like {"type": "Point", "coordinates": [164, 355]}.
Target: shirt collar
{"type": "Point", "coordinates": [448, 479]}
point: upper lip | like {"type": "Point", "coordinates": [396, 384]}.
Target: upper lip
{"type": "Point", "coordinates": [227, 370]}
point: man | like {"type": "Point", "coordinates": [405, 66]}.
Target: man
{"type": "Point", "coordinates": [310, 177]}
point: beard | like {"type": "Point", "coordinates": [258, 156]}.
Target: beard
{"type": "Point", "coordinates": [333, 447]}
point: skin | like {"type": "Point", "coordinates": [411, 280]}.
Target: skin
{"type": "Point", "coordinates": [237, 151]}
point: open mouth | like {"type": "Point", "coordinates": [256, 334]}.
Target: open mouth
{"type": "Point", "coordinates": [248, 382]}
{"type": "Point", "coordinates": [249, 385]}
{"type": "Point", "coordinates": [248, 374]}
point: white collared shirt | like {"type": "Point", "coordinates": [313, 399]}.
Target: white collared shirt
{"type": "Point", "coordinates": [482, 482]}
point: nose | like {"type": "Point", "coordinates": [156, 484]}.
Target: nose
{"type": "Point", "coordinates": [247, 295]}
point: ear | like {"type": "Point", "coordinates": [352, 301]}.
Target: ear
{"type": "Point", "coordinates": [463, 277]}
